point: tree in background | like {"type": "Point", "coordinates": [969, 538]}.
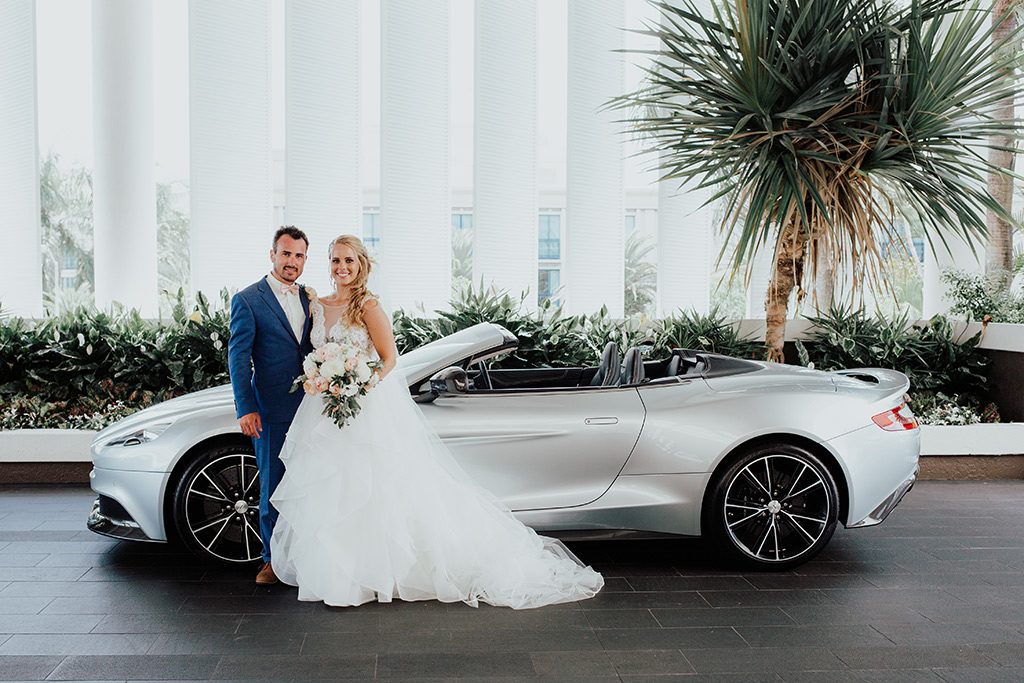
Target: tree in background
{"type": "Point", "coordinates": [67, 235]}
{"type": "Point", "coordinates": [999, 250]}
{"type": "Point", "coordinates": [816, 119]}
{"type": "Point", "coordinates": [641, 276]}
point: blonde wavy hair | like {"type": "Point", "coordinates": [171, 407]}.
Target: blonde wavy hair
{"type": "Point", "coordinates": [360, 294]}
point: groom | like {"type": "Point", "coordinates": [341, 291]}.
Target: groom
{"type": "Point", "coordinates": [269, 339]}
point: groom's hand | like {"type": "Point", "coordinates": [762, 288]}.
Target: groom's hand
{"type": "Point", "coordinates": [251, 425]}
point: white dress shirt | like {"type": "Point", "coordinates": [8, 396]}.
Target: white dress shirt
{"type": "Point", "coordinates": [291, 305]}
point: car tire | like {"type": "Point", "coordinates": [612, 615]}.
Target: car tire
{"type": "Point", "coordinates": [773, 508]}
{"type": "Point", "coordinates": [216, 505]}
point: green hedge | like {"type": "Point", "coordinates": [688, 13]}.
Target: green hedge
{"type": "Point", "coordinates": [85, 368]}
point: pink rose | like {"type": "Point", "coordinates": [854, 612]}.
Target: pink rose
{"type": "Point", "coordinates": [350, 364]}
{"type": "Point", "coordinates": [309, 386]}
{"type": "Point", "coordinates": [321, 384]}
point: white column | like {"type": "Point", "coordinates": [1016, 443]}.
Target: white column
{"type": "Point", "coordinates": [123, 180]}
{"type": "Point", "coordinates": [415, 211]}
{"type": "Point", "coordinates": [21, 279]}
{"type": "Point", "coordinates": [760, 275]}
{"type": "Point", "coordinates": [230, 160]}
{"type": "Point", "coordinates": [505, 156]}
{"type": "Point", "coordinates": [959, 256]}
{"type": "Point", "coordinates": [684, 249]}
{"type": "Point", "coordinates": [594, 193]}
{"type": "Point", "coordinates": [322, 134]}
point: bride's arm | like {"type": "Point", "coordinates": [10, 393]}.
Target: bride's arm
{"type": "Point", "coordinates": [379, 326]}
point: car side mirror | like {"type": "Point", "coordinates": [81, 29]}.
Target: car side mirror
{"type": "Point", "coordinates": [451, 380]}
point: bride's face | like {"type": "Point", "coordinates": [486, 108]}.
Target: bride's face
{"type": "Point", "coordinates": [344, 265]}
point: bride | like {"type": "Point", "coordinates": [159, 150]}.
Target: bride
{"type": "Point", "coordinates": [379, 509]}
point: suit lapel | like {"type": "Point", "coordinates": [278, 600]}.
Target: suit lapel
{"type": "Point", "coordinates": [308, 325]}
{"type": "Point", "coordinates": [275, 306]}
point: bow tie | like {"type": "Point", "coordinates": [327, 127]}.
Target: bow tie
{"type": "Point", "coordinates": [288, 289]}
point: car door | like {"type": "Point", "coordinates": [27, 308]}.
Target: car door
{"type": "Point", "coordinates": [541, 449]}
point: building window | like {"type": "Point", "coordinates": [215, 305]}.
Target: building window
{"type": "Point", "coordinates": [462, 220]}
{"type": "Point", "coordinates": [371, 229]}
{"type": "Point", "coordinates": [630, 224]}
{"type": "Point", "coordinates": [549, 236]}
{"type": "Point", "coordinates": [548, 281]}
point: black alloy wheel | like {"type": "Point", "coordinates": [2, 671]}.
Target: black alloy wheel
{"type": "Point", "coordinates": [774, 508]}
{"type": "Point", "coordinates": [217, 506]}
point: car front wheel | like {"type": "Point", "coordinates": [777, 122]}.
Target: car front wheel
{"type": "Point", "coordinates": [774, 508]}
{"type": "Point", "coordinates": [217, 505]}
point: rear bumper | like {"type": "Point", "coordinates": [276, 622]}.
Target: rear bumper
{"type": "Point", "coordinates": [880, 467]}
{"type": "Point", "coordinates": [878, 515]}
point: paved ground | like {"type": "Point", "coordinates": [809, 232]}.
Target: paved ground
{"type": "Point", "coordinates": [936, 593]}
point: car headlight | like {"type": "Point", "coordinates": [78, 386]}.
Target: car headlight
{"type": "Point", "coordinates": [140, 436]}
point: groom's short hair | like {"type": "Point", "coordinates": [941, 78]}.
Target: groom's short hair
{"type": "Point", "coordinates": [292, 232]}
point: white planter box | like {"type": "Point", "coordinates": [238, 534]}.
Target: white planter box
{"type": "Point", "coordinates": [45, 445]}
{"type": "Point", "coordinates": [980, 439]}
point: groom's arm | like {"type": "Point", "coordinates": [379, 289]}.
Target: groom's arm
{"type": "Point", "coordinates": [243, 334]}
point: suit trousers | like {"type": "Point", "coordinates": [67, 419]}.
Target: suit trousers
{"type": "Point", "coordinates": [268, 460]}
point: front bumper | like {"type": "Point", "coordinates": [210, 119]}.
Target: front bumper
{"type": "Point", "coordinates": [135, 510]}
{"type": "Point", "coordinates": [115, 525]}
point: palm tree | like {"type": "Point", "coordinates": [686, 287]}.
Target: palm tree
{"type": "Point", "coordinates": [818, 122]}
{"type": "Point", "coordinates": [999, 250]}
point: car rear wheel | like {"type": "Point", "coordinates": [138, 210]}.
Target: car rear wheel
{"type": "Point", "coordinates": [774, 508]}
{"type": "Point", "coordinates": [217, 505]}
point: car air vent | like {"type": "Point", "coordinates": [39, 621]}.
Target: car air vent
{"type": "Point", "coordinates": [870, 379]}
{"type": "Point", "coordinates": [112, 509]}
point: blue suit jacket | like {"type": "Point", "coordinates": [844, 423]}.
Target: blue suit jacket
{"type": "Point", "coordinates": [264, 358]}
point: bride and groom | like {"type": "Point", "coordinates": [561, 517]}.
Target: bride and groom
{"type": "Point", "coordinates": [378, 509]}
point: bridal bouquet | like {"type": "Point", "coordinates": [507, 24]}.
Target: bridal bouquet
{"type": "Point", "coordinates": [341, 373]}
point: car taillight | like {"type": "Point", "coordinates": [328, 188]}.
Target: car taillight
{"type": "Point", "coordinates": [896, 420]}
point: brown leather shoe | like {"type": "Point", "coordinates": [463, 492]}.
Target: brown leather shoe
{"type": "Point", "coordinates": [266, 577]}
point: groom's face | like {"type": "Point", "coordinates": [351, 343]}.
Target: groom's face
{"type": "Point", "coordinates": [289, 258]}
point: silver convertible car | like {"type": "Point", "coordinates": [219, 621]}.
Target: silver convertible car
{"type": "Point", "coordinates": [762, 459]}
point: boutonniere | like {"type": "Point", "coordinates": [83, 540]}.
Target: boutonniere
{"type": "Point", "coordinates": [310, 292]}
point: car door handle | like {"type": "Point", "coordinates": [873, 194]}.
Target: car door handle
{"type": "Point", "coordinates": [601, 421]}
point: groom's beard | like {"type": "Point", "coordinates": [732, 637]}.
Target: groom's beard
{"type": "Point", "coordinates": [289, 274]}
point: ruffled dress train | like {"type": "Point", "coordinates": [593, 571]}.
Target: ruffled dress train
{"type": "Point", "coordinates": [379, 510]}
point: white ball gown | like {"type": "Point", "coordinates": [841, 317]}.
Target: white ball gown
{"type": "Point", "coordinates": [379, 509]}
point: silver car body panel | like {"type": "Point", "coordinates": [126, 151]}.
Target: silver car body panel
{"type": "Point", "coordinates": [629, 458]}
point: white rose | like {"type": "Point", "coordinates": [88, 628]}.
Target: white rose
{"type": "Point", "coordinates": [332, 368]}
{"type": "Point", "coordinates": [330, 351]}
{"type": "Point", "coordinates": [363, 371]}
{"type": "Point", "coordinates": [309, 367]}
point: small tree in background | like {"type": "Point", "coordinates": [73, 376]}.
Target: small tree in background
{"type": "Point", "coordinates": [820, 121]}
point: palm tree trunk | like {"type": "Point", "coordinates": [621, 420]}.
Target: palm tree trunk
{"type": "Point", "coordinates": [786, 276]}
{"type": "Point", "coordinates": [999, 251]}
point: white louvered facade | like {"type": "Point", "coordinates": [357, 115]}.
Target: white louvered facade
{"type": "Point", "coordinates": [322, 130]}
{"type": "Point", "coordinates": [415, 209]}
{"type": "Point", "coordinates": [684, 245]}
{"type": "Point", "coordinates": [123, 179]}
{"type": "Point", "coordinates": [504, 145]}
{"type": "Point", "coordinates": [594, 195]}
{"type": "Point", "coordinates": [231, 190]}
{"type": "Point", "coordinates": [21, 284]}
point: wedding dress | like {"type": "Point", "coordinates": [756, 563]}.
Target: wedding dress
{"type": "Point", "coordinates": [379, 509]}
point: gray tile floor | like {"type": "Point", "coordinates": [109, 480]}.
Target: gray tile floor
{"type": "Point", "coordinates": [936, 593]}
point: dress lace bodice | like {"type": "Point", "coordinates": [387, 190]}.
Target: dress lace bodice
{"type": "Point", "coordinates": [338, 331]}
